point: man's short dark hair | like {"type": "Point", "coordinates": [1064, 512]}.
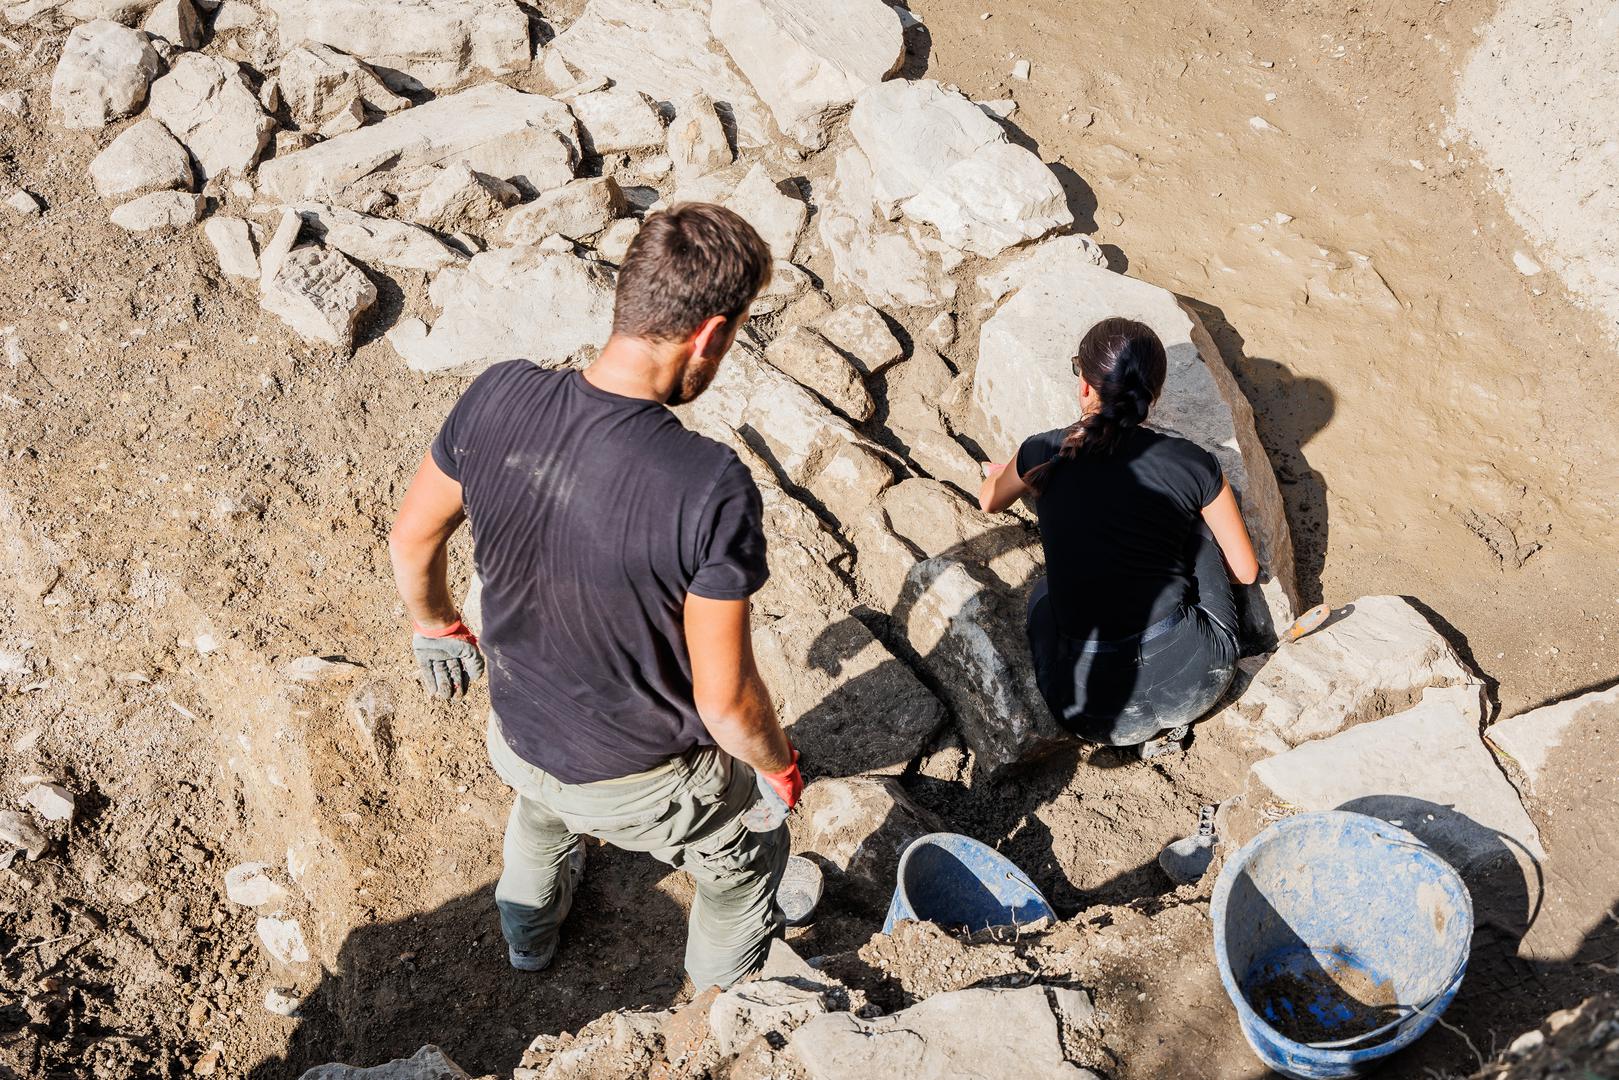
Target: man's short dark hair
{"type": "Point", "coordinates": [686, 265]}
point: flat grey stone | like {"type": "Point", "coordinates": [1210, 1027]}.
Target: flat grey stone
{"type": "Point", "coordinates": [159, 210]}
{"type": "Point", "coordinates": [807, 59]}
{"type": "Point", "coordinates": [1528, 739]}
{"type": "Point", "coordinates": [961, 1035]}
{"type": "Point", "coordinates": [143, 158]}
{"type": "Point", "coordinates": [431, 43]}
{"type": "Point", "coordinates": [526, 139]}
{"type": "Point", "coordinates": [428, 1063]}
{"type": "Point", "coordinates": [1426, 769]}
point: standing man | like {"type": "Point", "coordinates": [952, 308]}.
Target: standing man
{"type": "Point", "coordinates": [617, 552]}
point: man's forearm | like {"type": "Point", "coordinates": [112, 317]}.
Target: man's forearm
{"type": "Point", "coordinates": [422, 576]}
{"type": "Point", "coordinates": [748, 730]}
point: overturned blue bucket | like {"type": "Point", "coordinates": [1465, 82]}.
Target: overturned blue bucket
{"type": "Point", "coordinates": [1340, 940]}
{"type": "Point", "coordinates": [954, 880]}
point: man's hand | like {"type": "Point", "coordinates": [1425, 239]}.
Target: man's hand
{"type": "Point", "coordinates": [788, 783]}
{"type": "Point", "coordinates": [449, 659]}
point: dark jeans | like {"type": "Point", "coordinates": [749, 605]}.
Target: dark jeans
{"type": "Point", "coordinates": [1126, 691]}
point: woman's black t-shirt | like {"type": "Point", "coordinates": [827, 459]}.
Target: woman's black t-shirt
{"type": "Point", "coordinates": [1117, 529]}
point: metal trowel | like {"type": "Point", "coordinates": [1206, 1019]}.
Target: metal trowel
{"type": "Point", "coordinates": [1187, 859]}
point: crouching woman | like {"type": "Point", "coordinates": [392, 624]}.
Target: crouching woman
{"type": "Point", "coordinates": [1133, 630]}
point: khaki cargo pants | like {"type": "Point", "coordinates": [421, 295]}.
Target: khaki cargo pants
{"type": "Point", "coordinates": [686, 813]}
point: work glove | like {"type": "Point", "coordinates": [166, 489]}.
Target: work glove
{"type": "Point", "coordinates": [778, 793]}
{"type": "Point", "coordinates": [449, 659]}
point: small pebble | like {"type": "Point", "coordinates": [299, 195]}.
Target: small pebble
{"type": "Point", "coordinates": [26, 204]}
{"type": "Point", "coordinates": [1020, 70]}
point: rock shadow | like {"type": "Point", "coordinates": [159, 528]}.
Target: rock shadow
{"type": "Point", "coordinates": [442, 977]}
{"type": "Point", "coordinates": [1288, 412]}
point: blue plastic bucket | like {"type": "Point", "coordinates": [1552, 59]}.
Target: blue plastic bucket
{"type": "Point", "coordinates": [1340, 939]}
{"type": "Point", "coordinates": [954, 880]}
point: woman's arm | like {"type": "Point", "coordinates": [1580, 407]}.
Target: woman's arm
{"type": "Point", "coordinates": [1225, 522]}
{"type": "Point", "coordinates": [1001, 488]}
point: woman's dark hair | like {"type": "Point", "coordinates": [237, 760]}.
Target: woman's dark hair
{"type": "Point", "coordinates": [1124, 362]}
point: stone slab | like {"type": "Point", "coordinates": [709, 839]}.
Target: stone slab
{"type": "Point", "coordinates": [526, 139]}
{"type": "Point", "coordinates": [664, 49]}
{"type": "Point", "coordinates": [1528, 739]}
{"type": "Point", "coordinates": [961, 1035]}
{"type": "Point", "coordinates": [1425, 769]}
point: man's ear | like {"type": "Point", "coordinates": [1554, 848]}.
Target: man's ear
{"type": "Point", "coordinates": [709, 335]}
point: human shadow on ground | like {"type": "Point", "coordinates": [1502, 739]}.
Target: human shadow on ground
{"type": "Point", "coordinates": [1288, 412]}
{"type": "Point", "coordinates": [442, 977]}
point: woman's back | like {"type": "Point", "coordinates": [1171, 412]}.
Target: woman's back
{"type": "Point", "coordinates": [1118, 529]}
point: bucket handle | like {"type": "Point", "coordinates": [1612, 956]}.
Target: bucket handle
{"type": "Point", "coordinates": [1415, 1012]}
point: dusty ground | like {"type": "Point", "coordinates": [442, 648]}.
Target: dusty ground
{"type": "Point", "coordinates": [1431, 417]}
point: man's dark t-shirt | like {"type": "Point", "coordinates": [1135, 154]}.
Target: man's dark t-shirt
{"type": "Point", "coordinates": [1117, 529]}
{"type": "Point", "coordinates": [593, 515]}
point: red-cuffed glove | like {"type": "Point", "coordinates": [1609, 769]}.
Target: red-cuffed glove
{"type": "Point", "coordinates": [788, 784]}
{"type": "Point", "coordinates": [449, 659]}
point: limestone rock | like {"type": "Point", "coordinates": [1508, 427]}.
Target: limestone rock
{"type": "Point", "coordinates": [1529, 739]}
{"type": "Point", "coordinates": [787, 283]}
{"type": "Point", "coordinates": [284, 940]}
{"type": "Point", "coordinates": [939, 522]}
{"type": "Point", "coordinates": [320, 295]}
{"type": "Point", "coordinates": [53, 802]}
{"type": "Point", "coordinates": [831, 680]}
{"type": "Point", "coordinates": [810, 445]}
{"type": "Point", "coordinates": [1025, 384]}
{"type": "Point", "coordinates": [861, 332]}
{"type": "Point", "coordinates": [206, 102]}
{"type": "Point", "coordinates": [968, 632]}
{"type": "Point", "coordinates": [941, 332]}
{"type": "Point", "coordinates": [860, 825]}
{"type": "Point", "coordinates": [429, 43]}
{"type": "Point", "coordinates": [159, 210]}
{"type": "Point", "coordinates": [616, 120]}
{"type": "Point", "coordinates": [940, 456]}
{"type": "Point", "coordinates": [428, 1063]}
{"type": "Point", "coordinates": [349, 117]}
{"type": "Point", "coordinates": [766, 1007]}
{"type": "Point", "coordinates": [961, 1035]}
{"type": "Point", "coordinates": [614, 242]}
{"type": "Point", "coordinates": [128, 12]}
{"type": "Point", "coordinates": [232, 242]}
{"type": "Point", "coordinates": [578, 210]}
{"type": "Point", "coordinates": [809, 358]}
{"type": "Point", "coordinates": [176, 22]}
{"type": "Point", "coordinates": [103, 74]}
{"type": "Point", "coordinates": [1373, 657]}
{"type": "Point", "coordinates": [378, 240]}
{"type": "Point", "coordinates": [808, 563]}
{"type": "Point", "coordinates": [144, 157]}
{"type": "Point", "coordinates": [696, 139]}
{"type": "Point", "coordinates": [25, 203]}
{"type": "Point", "coordinates": [884, 262]}
{"type": "Point", "coordinates": [779, 218]}
{"type": "Point", "coordinates": [248, 884]}
{"type": "Point", "coordinates": [526, 139]}
{"type": "Point", "coordinates": [461, 198]}
{"type": "Point", "coordinates": [940, 159]}
{"type": "Point", "coordinates": [507, 303]}
{"type": "Point", "coordinates": [17, 830]}
{"type": "Point", "coordinates": [663, 49]}
{"type": "Point", "coordinates": [1425, 769]}
{"type": "Point", "coordinates": [316, 80]}
{"type": "Point", "coordinates": [810, 60]}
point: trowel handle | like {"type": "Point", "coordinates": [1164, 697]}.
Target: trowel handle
{"type": "Point", "coordinates": [768, 812]}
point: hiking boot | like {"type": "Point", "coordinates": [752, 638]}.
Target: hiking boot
{"type": "Point", "coordinates": [1172, 741]}
{"type": "Point", "coordinates": [539, 961]}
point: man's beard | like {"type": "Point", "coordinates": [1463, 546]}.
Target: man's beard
{"type": "Point", "coordinates": [694, 379]}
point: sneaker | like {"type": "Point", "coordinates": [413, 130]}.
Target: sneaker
{"type": "Point", "coordinates": [1172, 741]}
{"type": "Point", "coordinates": [539, 961]}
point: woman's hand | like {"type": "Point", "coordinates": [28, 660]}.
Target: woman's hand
{"type": "Point", "coordinates": [1001, 488]}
